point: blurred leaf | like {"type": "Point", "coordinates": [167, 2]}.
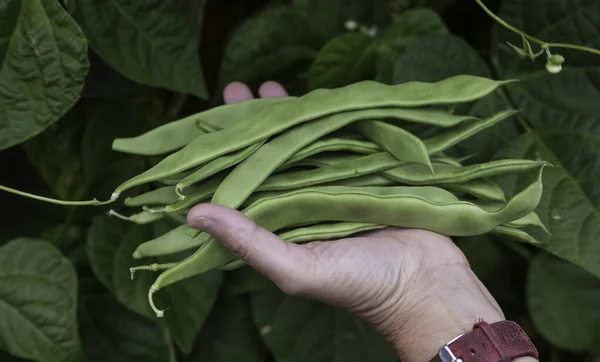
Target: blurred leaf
{"type": "Point", "coordinates": [110, 247]}
{"type": "Point", "coordinates": [152, 42]}
{"type": "Point", "coordinates": [297, 329]}
{"type": "Point", "coordinates": [564, 301]}
{"type": "Point", "coordinates": [43, 64]}
{"type": "Point", "coordinates": [229, 334]}
{"type": "Point", "coordinates": [345, 59]}
{"type": "Point", "coordinates": [410, 27]}
{"type": "Point", "coordinates": [70, 240]}
{"type": "Point", "coordinates": [110, 332]}
{"type": "Point", "coordinates": [277, 43]}
{"type": "Point", "coordinates": [38, 302]}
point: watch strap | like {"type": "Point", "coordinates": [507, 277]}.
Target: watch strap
{"type": "Point", "coordinates": [497, 342]}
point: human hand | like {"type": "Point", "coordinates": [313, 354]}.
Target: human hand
{"type": "Point", "coordinates": [414, 286]}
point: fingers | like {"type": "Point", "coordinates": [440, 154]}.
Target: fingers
{"type": "Point", "coordinates": [285, 264]}
{"type": "Point", "coordinates": [236, 92]}
{"type": "Point", "coordinates": [272, 90]}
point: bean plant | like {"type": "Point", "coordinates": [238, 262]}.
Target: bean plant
{"type": "Point", "coordinates": [474, 119]}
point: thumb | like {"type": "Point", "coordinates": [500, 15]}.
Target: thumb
{"type": "Point", "coordinates": [286, 264]}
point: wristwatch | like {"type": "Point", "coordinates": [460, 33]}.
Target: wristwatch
{"type": "Point", "coordinates": [497, 342]}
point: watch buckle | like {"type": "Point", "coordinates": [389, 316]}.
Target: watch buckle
{"type": "Point", "coordinates": [446, 354]}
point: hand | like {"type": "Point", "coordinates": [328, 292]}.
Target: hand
{"type": "Point", "coordinates": [414, 286]}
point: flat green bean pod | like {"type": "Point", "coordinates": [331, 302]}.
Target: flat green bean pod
{"type": "Point", "coordinates": [200, 192]}
{"type": "Point", "coordinates": [161, 196]}
{"type": "Point", "coordinates": [414, 174]}
{"type": "Point", "coordinates": [315, 104]}
{"type": "Point", "coordinates": [454, 136]}
{"type": "Point", "coordinates": [446, 160]}
{"type": "Point", "coordinates": [481, 188]}
{"type": "Point", "coordinates": [413, 207]}
{"type": "Point", "coordinates": [177, 134]}
{"type": "Point", "coordinates": [333, 144]}
{"type": "Point", "coordinates": [516, 234]}
{"type": "Point", "coordinates": [218, 165]}
{"type": "Point", "coordinates": [400, 143]}
{"type": "Point", "coordinates": [171, 242]}
{"type": "Point", "coordinates": [357, 167]}
{"type": "Point", "coordinates": [531, 219]}
{"type": "Point", "coordinates": [206, 127]}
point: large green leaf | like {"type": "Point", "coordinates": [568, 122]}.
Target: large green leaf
{"type": "Point", "coordinates": [153, 42]}
{"type": "Point", "coordinates": [229, 335]}
{"type": "Point", "coordinates": [277, 43]}
{"type": "Point", "coordinates": [38, 302]}
{"type": "Point", "coordinates": [564, 301]}
{"type": "Point", "coordinates": [111, 243]}
{"type": "Point", "coordinates": [565, 116]}
{"type": "Point", "coordinates": [110, 332]}
{"type": "Point", "coordinates": [43, 64]}
{"type": "Point", "coordinates": [410, 27]}
{"type": "Point", "coordinates": [345, 59]}
{"type": "Point", "coordinates": [296, 329]}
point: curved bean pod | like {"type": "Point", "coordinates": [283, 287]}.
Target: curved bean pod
{"type": "Point", "coordinates": [516, 234]}
{"type": "Point", "coordinates": [450, 138]}
{"type": "Point", "coordinates": [177, 134]}
{"type": "Point", "coordinates": [480, 188]}
{"type": "Point", "coordinates": [171, 242]}
{"type": "Point", "coordinates": [531, 219]}
{"type": "Point", "coordinates": [218, 165]}
{"type": "Point", "coordinates": [400, 143]}
{"type": "Point", "coordinates": [315, 104]}
{"type": "Point", "coordinates": [414, 174]}
{"type": "Point", "coordinates": [161, 196]}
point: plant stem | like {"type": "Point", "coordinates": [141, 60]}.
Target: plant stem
{"type": "Point", "coordinates": [93, 202]}
{"type": "Point", "coordinates": [532, 38]}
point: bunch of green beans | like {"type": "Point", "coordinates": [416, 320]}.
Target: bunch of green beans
{"type": "Point", "coordinates": [329, 164]}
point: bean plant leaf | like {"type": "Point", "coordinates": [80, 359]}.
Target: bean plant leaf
{"type": "Point", "coordinates": [564, 113]}
{"type": "Point", "coordinates": [111, 243]}
{"type": "Point", "coordinates": [278, 43]}
{"type": "Point", "coordinates": [38, 302]}
{"type": "Point", "coordinates": [153, 42]}
{"type": "Point", "coordinates": [110, 332]}
{"type": "Point", "coordinates": [563, 301]}
{"type": "Point", "coordinates": [296, 329]}
{"type": "Point", "coordinates": [408, 28]}
{"type": "Point", "coordinates": [43, 64]}
{"type": "Point", "coordinates": [345, 59]}
{"type": "Point", "coordinates": [229, 335]}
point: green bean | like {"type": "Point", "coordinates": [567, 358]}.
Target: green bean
{"type": "Point", "coordinates": [161, 196]}
{"type": "Point", "coordinates": [481, 188]}
{"type": "Point", "coordinates": [218, 165]}
{"type": "Point", "coordinates": [413, 207]}
{"type": "Point", "coordinates": [446, 160]}
{"type": "Point", "coordinates": [171, 242]}
{"type": "Point", "coordinates": [144, 217]}
{"type": "Point", "coordinates": [415, 174]}
{"type": "Point", "coordinates": [328, 231]}
{"type": "Point", "coordinates": [531, 219]}
{"type": "Point", "coordinates": [516, 234]}
{"type": "Point", "coordinates": [206, 127]}
{"type": "Point", "coordinates": [174, 135]}
{"type": "Point", "coordinates": [333, 144]}
{"type": "Point", "coordinates": [362, 166]}
{"type": "Point", "coordinates": [315, 104]}
{"type": "Point", "coordinates": [399, 143]}
{"type": "Point", "coordinates": [450, 138]}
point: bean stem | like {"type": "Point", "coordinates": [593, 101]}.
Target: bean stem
{"type": "Point", "coordinates": [151, 267]}
{"type": "Point", "coordinates": [93, 202]}
{"type": "Point", "coordinates": [159, 312]}
{"type": "Point", "coordinates": [500, 21]}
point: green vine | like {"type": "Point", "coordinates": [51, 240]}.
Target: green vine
{"type": "Point", "coordinates": [554, 61]}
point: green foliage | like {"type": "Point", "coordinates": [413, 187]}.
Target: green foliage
{"type": "Point", "coordinates": [65, 289]}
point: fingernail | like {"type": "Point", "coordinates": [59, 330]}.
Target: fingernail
{"type": "Point", "coordinates": [205, 224]}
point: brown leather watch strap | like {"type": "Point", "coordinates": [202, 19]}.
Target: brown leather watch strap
{"type": "Point", "coordinates": [497, 342]}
